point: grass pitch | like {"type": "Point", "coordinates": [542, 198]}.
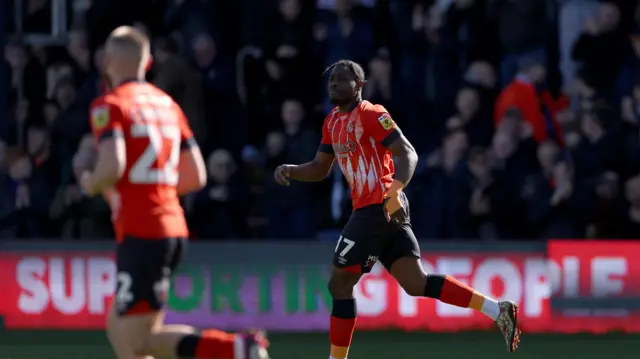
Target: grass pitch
{"type": "Point", "coordinates": [367, 345]}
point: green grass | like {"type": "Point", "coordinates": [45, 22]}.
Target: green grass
{"type": "Point", "coordinates": [367, 345]}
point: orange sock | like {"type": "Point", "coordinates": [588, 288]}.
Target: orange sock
{"type": "Point", "coordinates": [216, 344]}
{"type": "Point", "coordinates": [477, 301]}
{"type": "Point", "coordinates": [451, 291]}
{"type": "Point", "coordinates": [341, 327]}
{"type": "Point", "coordinates": [209, 344]}
{"type": "Point", "coordinates": [340, 334]}
{"type": "Point", "coordinates": [456, 293]}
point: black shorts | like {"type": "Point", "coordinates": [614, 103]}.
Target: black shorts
{"type": "Point", "coordinates": [368, 237]}
{"type": "Point", "coordinates": [144, 267]}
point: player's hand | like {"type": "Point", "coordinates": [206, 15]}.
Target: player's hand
{"type": "Point", "coordinates": [282, 173]}
{"type": "Point", "coordinates": [393, 208]}
{"type": "Point", "coordinates": [87, 184]}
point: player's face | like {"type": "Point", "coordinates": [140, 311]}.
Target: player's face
{"type": "Point", "coordinates": [342, 86]}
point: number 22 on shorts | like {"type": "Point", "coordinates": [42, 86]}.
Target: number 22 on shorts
{"type": "Point", "coordinates": [123, 294]}
{"type": "Point", "coordinates": [348, 245]}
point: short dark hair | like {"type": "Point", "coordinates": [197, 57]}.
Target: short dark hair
{"type": "Point", "coordinates": [356, 69]}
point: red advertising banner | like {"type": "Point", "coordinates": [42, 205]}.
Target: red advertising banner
{"type": "Point", "coordinates": [595, 269]}
{"type": "Point", "coordinates": [72, 290]}
{"type": "Point", "coordinates": [529, 280]}
{"type": "Point", "coordinates": [56, 290]}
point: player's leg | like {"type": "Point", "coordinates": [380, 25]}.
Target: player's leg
{"type": "Point", "coordinates": [143, 336]}
{"type": "Point", "coordinates": [168, 341]}
{"type": "Point", "coordinates": [356, 252]}
{"type": "Point", "coordinates": [144, 267]}
{"type": "Point", "coordinates": [117, 336]}
{"type": "Point", "coordinates": [343, 311]}
{"type": "Point", "coordinates": [402, 259]}
{"type": "Point", "coordinates": [123, 335]}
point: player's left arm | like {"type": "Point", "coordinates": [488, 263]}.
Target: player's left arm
{"type": "Point", "coordinates": [387, 132]}
{"type": "Point", "coordinates": [106, 125]}
{"type": "Point", "coordinates": [192, 172]}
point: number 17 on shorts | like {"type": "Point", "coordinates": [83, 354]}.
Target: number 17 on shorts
{"type": "Point", "coordinates": [351, 258]}
{"type": "Point", "coordinates": [343, 247]}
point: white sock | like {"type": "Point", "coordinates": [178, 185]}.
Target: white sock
{"type": "Point", "coordinates": [238, 347]}
{"type": "Point", "coordinates": [334, 358]}
{"type": "Point", "coordinates": [490, 308]}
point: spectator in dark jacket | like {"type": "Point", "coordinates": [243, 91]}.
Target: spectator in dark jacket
{"type": "Point", "coordinates": [602, 48]}
{"type": "Point", "coordinates": [432, 209]}
{"type": "Point", "coordinates": [556, 204]}
{"type": "Point", "coordinates": [173, 75]}
{"type": "Point", "coordinates": [522, 34]}
{"type": "Point", "coordinates": [77, 215]}
{"type": "Point", "coordinates": [219, 210]}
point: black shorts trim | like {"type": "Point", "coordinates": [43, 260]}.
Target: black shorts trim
{"type": "Point", "coordinates": [113, 133]}
{"type": "Point", "coordinates": [144, 267]}
{"type": "Point", "coordinates": [326, 148]}
{"type": "Point", "coordinates": [391, 137]}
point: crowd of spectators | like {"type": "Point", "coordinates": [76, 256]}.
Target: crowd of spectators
{"type": "Point", "coordinates": [526, 113]}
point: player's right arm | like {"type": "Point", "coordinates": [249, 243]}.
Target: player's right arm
{"type": "Point", "coordinates": [314, 171]}
{"type": "Point", "coordinates": [192, 172]}
{"type": "Point", "coordinates": [106, 125]}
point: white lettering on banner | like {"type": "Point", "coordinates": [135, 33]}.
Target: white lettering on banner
{"type": "Point", "coordinates": [602, 272]}
{"type": "Point", "coordinates": [461, 269]}
{"type": "Point", "coordinates": [503, 270]}
{"type": "Point", "coordinates": [529, 282]}
{"type": "Point", "coordinates": [571, 277]}
{"type": "Point", "coordinates": [537, 285]}
{"type": "Point", "coordinates": [102, 282]}
{"type": "Point", "coordinates": [85, 285]}
{"type": "Point", "coordinates": [371, 294]}
{"type": "Point", "coordinates": [554, 276]}
{"type": "Point", "coordinates": [58, 283]}
{"type": "Point", "coordinates": [34, 298]}
{"type": "Point", "coordinates": [408, 305]}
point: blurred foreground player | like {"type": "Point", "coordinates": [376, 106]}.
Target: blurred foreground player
{"type": "Point", "coordinates": [147, 154]}
{"type": "Point", "coordinates": [363, 138]}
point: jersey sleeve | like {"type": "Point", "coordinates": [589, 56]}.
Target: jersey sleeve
{"type": "Point", "coordinates": [381, 126]}
{"type": "Point", "coordinates": [187, 140]}
{"type": "Point", "coordinates": [325, 143]}
{"type": "Point", "coordinates": [106, 121]}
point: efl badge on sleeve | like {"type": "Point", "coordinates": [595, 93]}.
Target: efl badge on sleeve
{"type": "Point", "coordinates": [100, 117]}
{"type": "Point", "coordinates": [386, 121]}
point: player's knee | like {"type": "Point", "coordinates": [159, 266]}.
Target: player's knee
{"type": "Point", "coordinates": [341, 286]}
{"type": "Point", "coordinates": [140, 344]}
{"type": "Point", "coordinates": [413, 286]}
{"type": "Point", "coordinates": [410, 276]}
{"type": "Point", "coordinates": [414, 290]}
{"type": "Point", "coordinates": [111, 330]}
{"type": "Point", "coordinates": [129, 335]}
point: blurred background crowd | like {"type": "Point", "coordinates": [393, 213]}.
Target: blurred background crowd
{"type": "Point", "coordinates": [525, 112]}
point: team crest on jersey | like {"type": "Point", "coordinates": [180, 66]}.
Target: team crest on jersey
{"type": "Point", "coordinates": [350, 127]}
{"type": "Point", "coordinates": [386, 121]}
{"type": "Point", "coordinates": [100, 117]}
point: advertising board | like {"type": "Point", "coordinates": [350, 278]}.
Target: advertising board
{"type": "Point", "coordinates": [73, 289]}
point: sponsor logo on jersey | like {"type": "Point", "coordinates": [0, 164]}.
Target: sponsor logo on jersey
{"type": "Point", "coordinates": [350, 146]}
{"type": "Point", "coordinates": [100, 117]}
{"type": "Point", "coordinates": [386, 121]}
